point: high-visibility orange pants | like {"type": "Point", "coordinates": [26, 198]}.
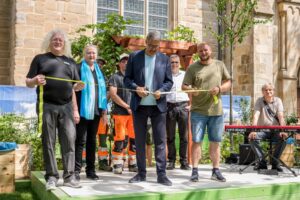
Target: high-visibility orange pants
{"type": "Point", "coordinates": [102, 136]}
{"type": "Point", "coordinates": [124, 139]}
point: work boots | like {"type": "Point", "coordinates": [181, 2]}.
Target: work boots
{"type": "Point", "coordinates": [103, 165]}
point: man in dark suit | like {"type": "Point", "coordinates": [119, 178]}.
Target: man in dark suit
{"type": "Point", "coordinates": [148, 72]}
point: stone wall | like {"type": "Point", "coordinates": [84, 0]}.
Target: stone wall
{"type": "Point", "coordinates": [262, 57]}
{"type": "Point", "coordinates": [289, 53]}
{"type": "Point", "coordinates": [34, 18]}
{"type": "Point", "coordinates": [243, 67]}
{"type": "Point", "coordinates": [253, 59]}
{"type": "Point", "coordinates": [5, 25]}
{"type": "Point", "coordinates": [198, 15]}
{"type": "Point", "coordinates": [274, 54]}
{"type": "Point", "coordinates": [12, 42]}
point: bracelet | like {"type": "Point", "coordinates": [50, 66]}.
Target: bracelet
{"type": "Point", "coordinates": [219, 89]}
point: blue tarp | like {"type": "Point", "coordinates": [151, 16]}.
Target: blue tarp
{"type": "Point", "coordinates": [8, 146]}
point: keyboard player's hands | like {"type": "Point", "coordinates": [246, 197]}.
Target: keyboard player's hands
{"type": "Point", "coordinates": [252, 136]}
{"type": "Point", "coordinates": [283, 135]}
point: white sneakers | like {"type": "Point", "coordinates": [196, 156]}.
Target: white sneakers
{"type": "Point", "coordinates": [50, 185]}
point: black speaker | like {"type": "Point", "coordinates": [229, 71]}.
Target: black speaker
{"type": "Point", "coordinates": [246, 154]}
{"type": "Point", "coordinates": [232, 159]}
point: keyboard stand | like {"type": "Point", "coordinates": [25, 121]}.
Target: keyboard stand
{"type": "Point", "coordinates": [269, 154]}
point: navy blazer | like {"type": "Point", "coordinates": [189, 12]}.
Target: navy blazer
{"type": "Point", "coordinates": [135, 76]}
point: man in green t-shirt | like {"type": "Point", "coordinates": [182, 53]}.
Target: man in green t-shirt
{"type": "Point", "coordinates": [212, 77]}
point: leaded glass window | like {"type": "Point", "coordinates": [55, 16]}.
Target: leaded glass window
{"type": "Point", "coordinates": [106, 7]}
{"type": "Point", "coordinates": [136, 10]}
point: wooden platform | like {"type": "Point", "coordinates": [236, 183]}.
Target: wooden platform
{"type": "Point", "coordinates": [249, 185]}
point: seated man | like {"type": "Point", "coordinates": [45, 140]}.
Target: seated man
{"type": "Point", "coordinates": [268, 111]}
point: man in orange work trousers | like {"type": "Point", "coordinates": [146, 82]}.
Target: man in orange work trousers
{"type": "Point", "coordinates": [123, 123]}
{"type": "Point", "coordinates": [103, 151]}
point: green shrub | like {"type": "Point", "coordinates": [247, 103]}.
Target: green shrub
{"type": "Point", "coordinates": [291, 119]}
{"type": "Point", "coordinates": [17, 128]}
{"type": "Point", "coordinates": [226, 148]}
{"type": "Point", "coordinates": [181, 33]}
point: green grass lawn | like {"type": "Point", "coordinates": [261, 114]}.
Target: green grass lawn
{"type": "Point", "coordinates": [23, 192]}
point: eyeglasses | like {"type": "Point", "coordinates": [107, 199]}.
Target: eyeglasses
{"type": "Point", "coordinates": [174, 62]}
{"type": "Point", "coordinates": [266, 90]}
{"type": "Point", "coordinates": [150, 46]}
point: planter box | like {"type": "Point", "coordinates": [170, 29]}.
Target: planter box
{"type": "Point", "coordinates": [22, 161]}
{"type": "Point", "coordinates": [288, 154]}
{"type": "Point", "coordinates": [184, 50]}
{"type": "Point", "coordinates": [297, 137]}
{"type": "Point", "coordinates": [7, 172]}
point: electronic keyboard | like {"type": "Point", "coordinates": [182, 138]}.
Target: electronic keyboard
{"type": "Point", "coordinates": [248, 128]}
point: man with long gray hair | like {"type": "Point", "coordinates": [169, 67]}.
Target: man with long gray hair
{"type": "Point", "coordinates": [148, 72]}
{"type": "Point", "coordinates": [59, 109]}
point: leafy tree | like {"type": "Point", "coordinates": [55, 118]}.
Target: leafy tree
{"type": "Point", "coordinates": [245, 110]}
{"type": "Point", "coordinates": [102, 37]}
{"type": "Point", "coordinates": [181, 33]}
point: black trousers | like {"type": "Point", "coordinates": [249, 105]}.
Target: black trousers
{"type": "Point", "coordinates": [58, 119]}
{"type": "Point", "coordinates": [158, 122]}
{"type": "Point", "coordinates": [177, 114]}
{"type": "Point", "coordinates": [86, 132]}
{"type": "Point", "coordinates": [273, 138]}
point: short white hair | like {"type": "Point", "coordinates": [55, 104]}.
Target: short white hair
{"type": "Point", "coordinates": [88, 46]}
{"type": "Point", "coordinates": [46, 42]}
{"type": "Point", "coordinates": [267, 85]}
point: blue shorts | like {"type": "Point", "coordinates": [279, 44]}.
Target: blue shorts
{"type": "Point", "coordinates": [214, 125]}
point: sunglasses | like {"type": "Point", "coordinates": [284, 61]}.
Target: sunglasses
{"type": "Point", "coordinates": [174, 62]}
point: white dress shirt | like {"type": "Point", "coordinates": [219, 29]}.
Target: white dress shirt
{"type": "Point", "coordinates": [177, 82]}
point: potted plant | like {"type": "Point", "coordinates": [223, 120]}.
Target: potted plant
{"type": "Point", "coordinates": [185, 49]}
